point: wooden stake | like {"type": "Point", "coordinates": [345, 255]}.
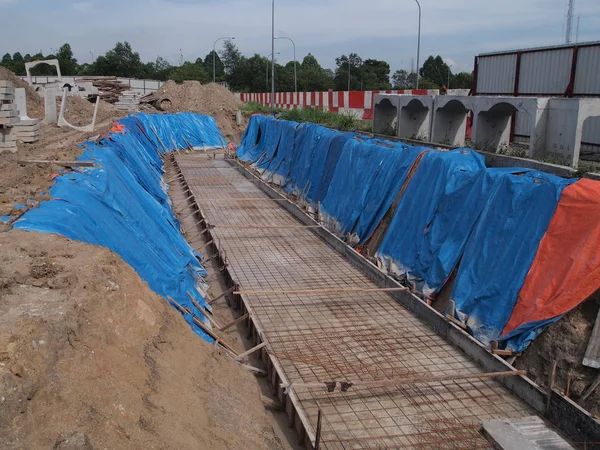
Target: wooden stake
{"type": "Point", "coordinates": [159, 139]}
{"type": "Point", "coordinates": [174, 178]}
{"type": "Point", "coordinates": [551, 385]}
{"type": "Point", "coordinates": [318, 431]}
{"type": "Point", "coordinates": [591, 389]}
{"type": "Point", "coordinates": [235, 322]}
{"type": "Point", "coordinates": [204, 313]}
{"type": "Point", "coordinates": [216, 299]}
{"type": "Point", "coordinates": [203, 326]}
{"type": "Point", "coordinates": [407, 380]}
{"type": "Point", "coordinates": [322, 291]}
{"type": "Point", "coordinates": [252, 350]}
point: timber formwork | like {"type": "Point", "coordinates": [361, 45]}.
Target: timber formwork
{"type": "Point", "coordinates": [320, 337]}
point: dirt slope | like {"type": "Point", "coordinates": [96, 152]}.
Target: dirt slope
{"type": "Point", "coordinates": [91, 358]}
{"type": "Point", "coordinates": [566, 342]}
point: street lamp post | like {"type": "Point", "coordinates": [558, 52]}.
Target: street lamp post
{"type": "Point", "coordinates": [215, 55]}
{"type": "Point", "coordinates": [273, 55]}
{"type": "Point", "coordinates": [278, 53]}
{"type": "Point", "coordinates": [295, 73]}
{"type": "Point", "coordinates": [418, 43]}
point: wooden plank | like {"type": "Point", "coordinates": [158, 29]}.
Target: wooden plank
{"type": "Point", "coordinates": [203, 326]}
{"type": "Point", "coordinates": [58, 163]}
{"type": "Point", "coordinates": [252, 350]}
{"type": "Point", "coordinates": [592, 354]}
{"type": "Point", "coordinates": [253, 369]}
{"type": "Point", "coordinates": [321, 291]}
{"type": "Point", "coordinates": [405, 381]}
{"type": "Point", "coordinates": [235, 322]}
{"type": "Point", "coordinates": [244, 199]}
{"type": "Point", "coordinates": [204, 313]}
{"type": "Point", "coordinates": [591, 389]}
{"type": "Point", "coordinates": [263, 227]}
{"type": "Point", "coordinates": [227, 292]}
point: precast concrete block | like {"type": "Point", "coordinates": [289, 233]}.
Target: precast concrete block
{"type": "Point", "coordinates": [566, 120]}
{"type": "Point", "coordinates": [385, 113]}
{"type": "Point", "coordinates": [450, 119]}
{"type": "Point", "coordinates": [415, 117]}
{"type": "Point", "coordinates": [21, 101]}
{"type": "Point", "coordinates": [493, 118]}
{"type": "Point", "coordinates": [51, 115]}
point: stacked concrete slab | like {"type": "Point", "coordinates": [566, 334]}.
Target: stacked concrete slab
{"type": "Point", "coordinates": [27, 130]}
{"type": "Point", "coordinates": [129, 101]}
{"type": "Point", "coordinates": [9, 115]}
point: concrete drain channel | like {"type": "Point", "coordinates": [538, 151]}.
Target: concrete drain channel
{"type": "Point", "coordinates": [346, 349]}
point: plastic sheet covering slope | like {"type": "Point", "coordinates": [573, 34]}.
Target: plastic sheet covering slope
{"type": "Point", "coordinates": [384, 189]}
{"type": "Point", "coordinates": [252, 136]}
{"type": "Point", "coordinates": [305, 142]}
{"type": "Point", "coordinates": [122, 204]}
{"type": "Point", "coordinates": [174, 131]}
{"type": "Point", "coordinates": [434, 217]}
{"type": "Point", "coordinates": [366, 179]}
{"type": "Point", "coordinates": [501, 249]}
{"type": "Point", "coordinates": [566, 269]}
{"type": "Point", "coordinates": [281, 156]}
{"type": "Point", "coordinates": [268, 140]}
{"type": "Point", "coordinates": [327, 154]}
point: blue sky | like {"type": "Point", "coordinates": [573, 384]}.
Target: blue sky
{"type": "Point", "coordinates": [380, 29]}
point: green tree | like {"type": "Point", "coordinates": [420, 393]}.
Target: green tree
{"type": "Point", "coordinates": [230, 56]}
{"type": "Point", "coordinates": [189, 71]}
{"type": "Point", "coordinates": [159, 69]}
{"type": "Point", "coordinates": [436, 71]}
{"type": "Point", "coordinates": [462, 80]}
{"type": "Point", "coordinates": [352, 63]}
{"type": "Point", "coordinates": [375, 75]}
{"type": "Point", "coordinates": [400, 79]}
{"type": "Point", "coordinates": [68, 64]}
{"type": "Point", "coordinates": [218, 65]}
{"type": "Point", "coordinates": [121, 61]}
{"type": "Point", "coordinates": [312, 77]}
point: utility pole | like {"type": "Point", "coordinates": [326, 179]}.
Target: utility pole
{"type": "Point", "coordinates": [418, 43]}
{"type": "Point", "coordinates": [349, 74]}
{"type": "Point", "coordinates": [273, 56]}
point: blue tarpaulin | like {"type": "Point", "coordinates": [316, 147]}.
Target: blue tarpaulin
{"type": "Point", "coordinates": [434, 217]}
{"type": "Point", "coordinates": [502, 247]}
{"type": "Point", "coordinates": [453, 214]}
{"type": "Point", "coordinates": [122, 203]}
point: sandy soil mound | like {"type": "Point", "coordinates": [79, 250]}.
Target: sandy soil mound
{"type": "Point", "coordinates": [22, 182]}
{"type": "Point", "coordinates": [566, 342]}
{"type": "Point", "coordinates": [35, 104]}
{"type": "Point", "coordinates": [80, 111]}
{"type": "Point", "coordinates": [209, 99]}
{"type": "Point", "coordinates": [91, 358]}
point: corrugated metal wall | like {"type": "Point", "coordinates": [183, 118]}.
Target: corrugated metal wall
{"type": "Point", "coordinates": [545, 72]}
{"type": "Point", "coordinates": [587, 77]}
{"type": "Point", "coordinates": [542, 71]}
{"type": "Point", "coordinates": [496, 74]}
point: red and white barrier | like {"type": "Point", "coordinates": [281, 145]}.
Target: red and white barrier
{"type": "Point", "coordinates": [359, 103]}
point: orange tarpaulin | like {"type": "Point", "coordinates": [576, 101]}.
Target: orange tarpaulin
{"type": "Point", "coordinates": [566, 269]}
